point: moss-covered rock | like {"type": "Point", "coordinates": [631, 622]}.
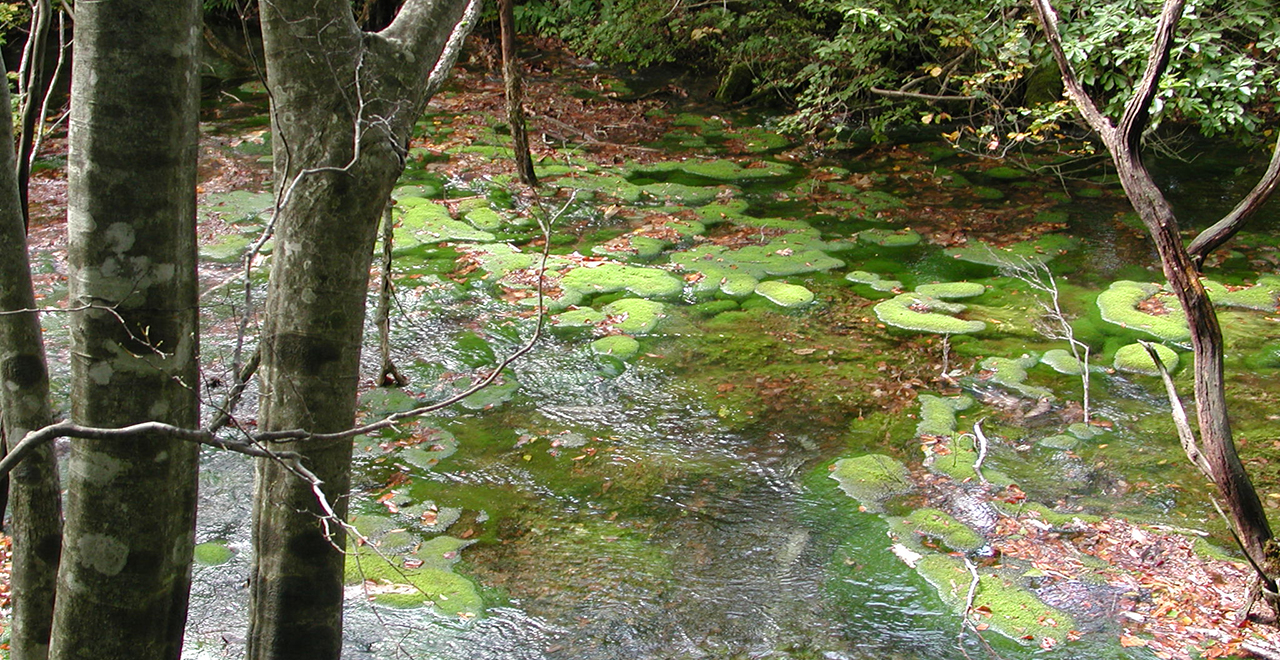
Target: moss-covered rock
{"type": "Point", "coordinates": [1013, 610]}
{"type": "Point", "coordinates": [614, 277]}
{"type": "Point", "coordinates": [1062, 361]}
{"type": "Point", "coordinates": [1119, 304]}
{"type": "Point", "coordinates": [622, 347]}
{"type": "Point", "coordinates": [874, 281]}
{"type": "Point", "coordinates": [938, 414]}
{"type": "Point", "coordinates": [890, 237]}
{"type": "Point", "coordinates": [424, 222]}
{"type": "Point", "coordinates": [920, 313]}
{"type": "Point", "coordinates": [872, 478]}
{"type": "Point", "coordinates": [634, 316]}
{"type": "Point", "coordinates": [421, 578]}
{"type": "Point", "coordinates": [1043, 250]}
{"type": "Point", "coordinates": [1135, 359]}
{"type": "Point", "coordinates": [940, 527]}
{"type": "Point", "coordinates": [228, 249]}
{"type": "Point", "coordinates": [1011, 374]}
{"type": "Point", "coordinates": [213, 553]}
{"type": "Point", "coordinates": [951, 290]}
{"type": "Point", "coordinates": [785, 295]}
{"type": "Point", "coordinates": [1262, 296]}
{"type": "Point", "coordinates": [717, 170]}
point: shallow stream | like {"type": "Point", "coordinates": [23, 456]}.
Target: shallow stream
{"type": "Point", "coordinates": [672, 497]}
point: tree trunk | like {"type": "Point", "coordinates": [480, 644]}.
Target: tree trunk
{"type": "Point", "coordinates": [35, 499]}
{"type": "Point", "coordinates": [1124, 142]}
{"type": "Point", "coordinates": [343, 107]}
{"type": "Point", "coordinates": [515, 94]}
{"type": "Point", "coordinates": [126, 562]}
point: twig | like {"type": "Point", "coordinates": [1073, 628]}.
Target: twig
{"type": "Point", "coordinates": [980, 439]}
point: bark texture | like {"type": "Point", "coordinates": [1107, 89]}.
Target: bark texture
{"type": "Point", "coordinates": [514, 87]}
{"type": "Point", "coordinates": [126, 559]}
{"type": "Point", "coordinates": [1216, 444]}
{"type": "Point", "coordinates": [344, 103]}
{"type": "Point", "coordinates": [34, 497]}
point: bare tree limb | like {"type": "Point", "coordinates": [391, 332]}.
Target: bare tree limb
{"type": "Point", "coordinates": [1071, 82]}
{"type": "Point", "coordinates": [1224, 229]}
{"type": "Point", "coordinates": [903, 94]}
{"type": "Point", "coordinates": [1138, 111]}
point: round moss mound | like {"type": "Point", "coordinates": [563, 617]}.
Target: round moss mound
{"type": "Point", "coordinates": [1119, 304]}
{"type": "Point", "coordinates": [1135, 359]}
{"type": "Point", "coordinates": [619, 346]}
{"type": "Point", "coordinates": [921, 313]}
{"type": "Point", "coordinates": [785, 295]}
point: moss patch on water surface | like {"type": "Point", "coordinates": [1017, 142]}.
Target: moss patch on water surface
{"type": "Point", "coordinates": [872, 478]}
{"type": "Point", "coordinates": [1135, 359]}
{"type": "Point", "coordinates": [1062, 361]}
{"type": "Point", "coordinates": [1011, 374]}
{"type": "Point", "coordinates": [1120, 303]}
{"type": "Point", "coordinates": [716, 170]}
{"type": "Point", "coordinates": [921, 313]}
{"type": "Point", "coordinates": [1042, 250]}
{"type": "Point", "coordinates": [213, 553]}
{"type": "Point", "coordinates": [873, 280]}
{"type": "Point", "coordinates": [614, 277]}
{"type": "Point", "coordinates": [423, 222]}
{"type": "Point", "coordinates": [890, 237]}
{"type": "Point", "coordinates": [420, 578]}
{"type": "Point", "coordinates": [939, 527]}
{"type": "Point", "coordinates": [938, 414]}
{"type": "Point", "coordinates": [785, 295]}
{"type": "Point", "coordinates": [1000, 601]}
{"type": "Point", "coordinates": [634, 316]}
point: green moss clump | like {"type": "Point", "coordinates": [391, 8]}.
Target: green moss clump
{"type": "Point", "coordinates": [951, 290]}
{"type": "Point", "coordinates": [889, 237]}
{"type": "Point", "coordinates": [1135, 359]}
{"type": "Point", "coordinates": [757, 140]}
{"type": "Point", "coordinates": [1062, 361]}
{"type": "Point", "coordinates": [738, 285]}
{"type": "Point", "coordinates": [921, 313]}
{"type": "Point", "coordinates": [484, 219]}
{"type": "Point", "coordinates": [635, 316]}
{"type": "Point", "coordinates": [873, 280]}
{"type": "Point", "coordinates": [433, 582]}
{"type": "Point", "coordinates": [717, 170]}
{"type": "Point", "coordinates": [1005, 173]}
{"type": "Point", "coordinates": [872, 478]}
{"type": "Point", "coordinates": [1042, 249]}
{"type": "Point", "coordinates": [941, 527]}
{"type": "Point", "coordinates": [785, 295]}
{"type": "Point", "coordinates": [582, 317]}
{"type": "Point", "coordinates": [1262, 296]}
{"type": "Point", "coordinates": [213, 553]}
{"type": "Point", "coordinates": [614, 277]}
{"type": "Point", "coordinates": [717, 212]}
{"type": "Point", "coordinates": [622, 347]}
{"type": "Point", "coordinates": [425, 222]}
{"type": "Point", "coordinates": [1014, 611]}
{"type": "Point", "coordinates": [1119, 305]}
{"type": "Point", "coordinates": [1011, 374]}
{"type": "Point", "coordinates": [228, 249]}
{"type": "Point", "coordinates": [1061, 441]}
{"type": "Point", "coordinates": [938, 414]}
{"type": "Point", "coordinates": [985, 193]}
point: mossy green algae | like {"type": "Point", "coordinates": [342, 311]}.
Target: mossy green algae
{"type": "Point", "coordinates": [872, 478]}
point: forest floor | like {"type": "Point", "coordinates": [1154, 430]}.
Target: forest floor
{"type": "Point", "coordinates": [1178, 602]}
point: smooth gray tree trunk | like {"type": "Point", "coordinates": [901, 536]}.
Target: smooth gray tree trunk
{"type": "Point", "coordinates": [35, 522]}
{"type": "Point", "coordinates": [126, 558]}
{"type": "Point", "coordinates": [343, 106]}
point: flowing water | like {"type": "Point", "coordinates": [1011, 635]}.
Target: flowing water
{"type": "Point", "coordinates": [648, 508]}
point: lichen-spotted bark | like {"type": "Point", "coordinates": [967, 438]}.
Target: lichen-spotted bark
{"type": "Point", "coordinates": [34, 500]}
{"type": "Point", "coordinates": [125, 573]}
{"type": "Point", "coordinates": [343, 107]}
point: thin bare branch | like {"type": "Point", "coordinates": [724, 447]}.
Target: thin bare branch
{"type": "Point", "coordinates": [1180, 421]}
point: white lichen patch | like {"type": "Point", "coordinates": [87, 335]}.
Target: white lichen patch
{"type": "Point", "coordinates": [104, 554]}
{"type": "Point", "coordinates": [119, 237]}
{"type": "Point", "coordinates": [100, 373]}
{"type": "Point", "coordinates": [98, 468]}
